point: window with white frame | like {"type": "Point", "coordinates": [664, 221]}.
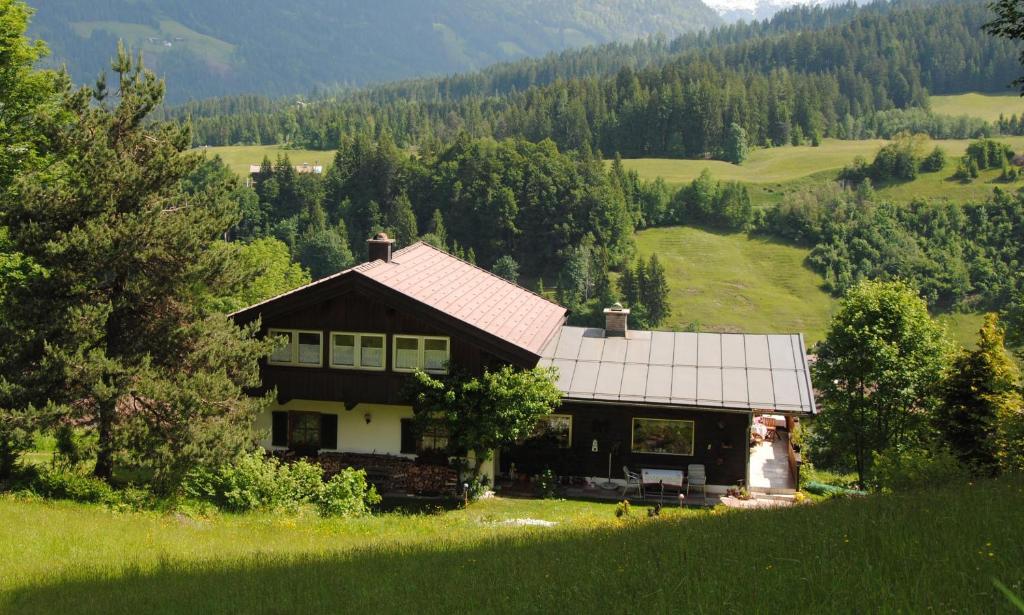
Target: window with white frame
{"type": "Point", "coordinates": [431, 354]}
{"type": "Point", "coordinates": [297, 347]}
{"type": "Point", "coordinates": [357, 350]}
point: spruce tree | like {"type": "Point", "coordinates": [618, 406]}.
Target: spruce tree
{"type": "Point", "coordinates": [736, 147]}
{"type": "Point", "coordinates": [402, 221]}
{"type": "Point", "coordinates": [655, 293]}
{"type": "Point", "coordinates": [628, 287]}
{"type": "Point", "coordinates": [981, 383]}
{"type": "Point", "coordinates": [437, 227]}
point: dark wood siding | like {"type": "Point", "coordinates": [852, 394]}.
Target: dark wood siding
{"type": "Point", "coordinates": [720, 441]}
{"type": "Point", "coordinates": [357, 309]}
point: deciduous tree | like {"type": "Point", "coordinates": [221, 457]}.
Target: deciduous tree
{"type": "Point", "coordinates": [877, 373]}
{"type": "Point", "coordinates": [506, 267]}
{"type": "Point", "coordinates": [482, 414]}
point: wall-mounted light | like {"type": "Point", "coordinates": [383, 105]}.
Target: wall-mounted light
{"type": "Point", "coordinates": [368, 417]}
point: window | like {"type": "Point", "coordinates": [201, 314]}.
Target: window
{"type": "Point", "coordinates": [298, 348]}
{"type": "Point", "coordinates": [407, 353]}
{"type": "Point", "coordinates": [554, 430]}
{"type": "Point", "coordinates": [309, 348]}
{"type": "Point", "coordinates": [357, 350]}
{"type": "Point", "coordinates": [434, 437]}
{"type": "Point", "coordinates": [283, 352]}
{"type": "Point", "coordinates": [662, 436]}
{"type": "Point", "coordinates": [431, 354]}
{"type": "Point", "coordinates": [305, 430]}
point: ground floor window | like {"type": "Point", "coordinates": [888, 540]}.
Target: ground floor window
{"type": "Point", "coordinates": [434, 437]}
{"type": "Point", "coordinates": [554, 430]}
{"type": "Point", "coordinates": [417, 438]}
{"type": "Point", "coordinates": [663, 436]}
{"type": "Point", "coordinates": [305, 432]}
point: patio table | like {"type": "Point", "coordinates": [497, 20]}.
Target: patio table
{"type": "Point", "coordinates": [655, 476]}
{"type": "Point", "coordinates": [759, 430]}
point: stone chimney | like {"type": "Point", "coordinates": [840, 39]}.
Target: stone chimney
{"type": "Point", "coordinates": [379, 248]}
{"type": "Point", "coordinates": [616, 321]}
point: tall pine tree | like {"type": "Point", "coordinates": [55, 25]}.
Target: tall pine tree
{"type": "Point", "coordinates": [123, 338]}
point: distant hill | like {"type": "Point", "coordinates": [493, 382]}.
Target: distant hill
{"type": "Point", "coordinates": [751, 10]}
{"type": "Point", "coordinates": [217, 47]}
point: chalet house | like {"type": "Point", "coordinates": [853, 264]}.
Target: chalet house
{"type": "Point", "coordinates": [302, 169]}
{"type": "Point", "coordinates": [642, 399]}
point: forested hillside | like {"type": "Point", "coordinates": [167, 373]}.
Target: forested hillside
{"type": "Point", "coordinates": [215, 48]}
{"type": "Point", "coordinates": [779, 88]}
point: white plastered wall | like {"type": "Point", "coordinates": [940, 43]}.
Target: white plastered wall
{"type": "Point", "coordinates": [382, 435]}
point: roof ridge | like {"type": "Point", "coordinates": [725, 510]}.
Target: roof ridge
{"type": "Point", "coordinates": [479, 268]}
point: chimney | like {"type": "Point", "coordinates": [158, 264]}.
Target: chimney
{"type": "Point", "coordinates": [616, 320]}
{"type": "Point", "coordinates": [379, 248]}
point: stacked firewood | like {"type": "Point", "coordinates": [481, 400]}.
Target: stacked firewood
{"type": "Point", "coordinates": [429, 480]}
{"type": "Point", "coordinates": [393, 474]}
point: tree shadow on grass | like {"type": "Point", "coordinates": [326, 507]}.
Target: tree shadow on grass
{"type": "Point", "coordinates": [872, 554]}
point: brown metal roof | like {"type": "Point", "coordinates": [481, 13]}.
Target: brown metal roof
{"type": "Point", "coordinates": [470, 294]}
{"type": "Point", "coordinates": [460, 290]}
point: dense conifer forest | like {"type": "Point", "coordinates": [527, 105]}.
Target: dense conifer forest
{"type": "Point", "coordinates": [809, 74]}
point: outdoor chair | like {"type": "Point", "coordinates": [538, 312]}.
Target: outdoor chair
{"type": "Point", "coordinates": [633, 481]}
{"type": "Point", "coordinates": [695, 477]}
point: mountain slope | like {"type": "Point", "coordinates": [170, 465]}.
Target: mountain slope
{"type": "Point", "coordinates": [215, 47]}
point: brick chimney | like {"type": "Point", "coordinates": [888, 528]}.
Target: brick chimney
{"type": "Point", "coordinates": [616, 321]}
{"type": "Point", "coordinates": [379, 248]}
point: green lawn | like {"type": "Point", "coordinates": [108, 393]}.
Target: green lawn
{"type": "Point", "coordinates": [937, 551]}
{"type": "Point", "coordinates": [772, 173]}
{"type": "Point", "coordinates": [734, 283]}
{"type": "Point", "coordinates": [239, 157]}
{"type": "Point", "coordinates": [985, 106]}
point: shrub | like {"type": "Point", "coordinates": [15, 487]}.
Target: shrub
{"type": "Point", "coordinates": [831, 491]}
{"type": "Point", "coordinates": [899, 471]}
{"type": "Point", "coordinates": [347, 494]}
{"type": "Point", "coordinates": [547, 484]}
{"type": "Point", "coordinates": [65, 483]}
{"type": "Point", "coordinates": [252, 483]}
{"type": "Point", "coordinates": [260, 482]}
{"type": "Point", "coordinates": [477, 487]}
{"type": "Point", "coordinates": [255, 482]}
{"type": "Point", "coordinates": [934, 161]}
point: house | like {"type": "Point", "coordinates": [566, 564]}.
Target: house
{"type": "Point", "coordinates": [643, 399]}
{"type": "Point", "coordinates": [302, 169]}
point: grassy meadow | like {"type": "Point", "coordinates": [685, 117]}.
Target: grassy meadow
{"type": "Point", "coordinates": [985, 106]}
{"type": "Point", "coordinates": [772, 173]}
{"type": "Point", "coordinates": [735, 283]}
{"type": "Point", "coordinates": [730, 282]}
{"type": "Point", "coordinates": [239, 157]}
{"type": "Point", "coordinates": [931, 551]}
